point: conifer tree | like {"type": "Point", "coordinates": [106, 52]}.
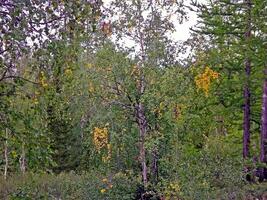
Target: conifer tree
{"type": "Point", "coordinates": [232, 28]}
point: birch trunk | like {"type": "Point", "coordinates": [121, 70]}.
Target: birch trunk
{"type": "Point", "coordinates": [22, 160]}
{"type": "Point", "coordinates": [142, 125]}
{"type": "Point", "coordinates": [140, 110]}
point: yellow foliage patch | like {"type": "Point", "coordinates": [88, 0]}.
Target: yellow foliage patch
{"type": "Point", "coordinates": [100, 138]}
{"type": "Point", "coordinates": [68, 72]}
{"type": "Point", "coordinates": [91, 87]}
{"type": "Point", "coordinates": [43, 80]}
{"type": "Point", "coordinates": [203, 81]}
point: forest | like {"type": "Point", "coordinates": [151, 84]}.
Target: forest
{"type": "Point", "coordinates": [99, 100]}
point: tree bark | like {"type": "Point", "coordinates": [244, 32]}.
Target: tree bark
{"type": "Point", "coordinates": [263, 136]}
{"type": "Point", "coordinates": [246, 109]}
{"type": "Point", "coordinates": [246, 93]}
{"type": "Point", "coordinates": [246, 123]}
{"type": "Point", "coordinates": [142, 125]}
{"type": "Point", "coordinates": [140, 110]}
{"type": "Point", "coordinates": [22, 160]}
{"type": "Point", "coordinates": [154, 165]}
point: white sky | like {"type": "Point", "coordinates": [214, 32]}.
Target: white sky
{"type": "Point", "coordinates": [182, 30]}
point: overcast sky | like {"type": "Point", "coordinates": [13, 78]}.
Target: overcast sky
{"type": "Point", "coordinates": [182, 30]}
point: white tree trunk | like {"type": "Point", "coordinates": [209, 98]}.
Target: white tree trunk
{"type": "Point", "coordinates": [22, 160]}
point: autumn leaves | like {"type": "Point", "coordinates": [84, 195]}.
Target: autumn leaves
{"type": "Point", "coordinates": [100, 138]}
{"type": "Point", "coordinates": [203, 81]}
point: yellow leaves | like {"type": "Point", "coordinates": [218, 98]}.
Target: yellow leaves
{"type": "Point", "coordinates": [89, 65]}
{"type": "Point", "coordinates": [42, 80]}
{"type": "Point", "coordinates": [135, 71]}
{"type": "Point", "coordinates": [35, 97]}
{"type": "Point", "coordinates": [101, 141]}
{"type": "Point", "coordinates": [44, 85]}
{"type": "Point", "coordinates": [91, 87]}
{"type": "Point", "coordinates": [172, 190]}
{"type": "Point", "coordinates": [107, 184]}
{"type": "Point", "coordinates": [100, 138]}
{"type": "Point", "coordinates": [161, 106]}
{"type": "Point", "coordinates": [203, 81]}
{"type": "Point", "coordinates": [68, 72]}
{"type": "Point", "coordinates": [14, 154]}
{"type": "Point", "coordinates": [35, 101]}
{"type": "Point", "coordinates": [175, 186]}
{"type": "Point", "coordinates": [105, 180]}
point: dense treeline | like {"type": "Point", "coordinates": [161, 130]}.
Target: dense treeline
{"type": "Point", "coordinates": [97, 101]}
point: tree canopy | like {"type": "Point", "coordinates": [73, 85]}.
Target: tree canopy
{"type": "Point", "coordinates": [99, 101]}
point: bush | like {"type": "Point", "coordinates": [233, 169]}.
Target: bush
{"type": "Point", "coordinates": [42, 186]}
{"type": "Point", "coordinates": [88, 186]}
{"type": "Point", "coordinates": [212, 172]}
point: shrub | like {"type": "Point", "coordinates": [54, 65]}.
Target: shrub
{"type": "Point", "coordinates": [69, 186]}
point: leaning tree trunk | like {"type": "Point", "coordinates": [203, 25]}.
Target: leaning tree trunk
{"type": "Point", "coordinates": [246, 108]}
{"type": "Point", "coordinates": [263, 137]}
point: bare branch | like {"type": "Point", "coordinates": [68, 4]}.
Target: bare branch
{"type": "Point", "coordinates": [18, 77]}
